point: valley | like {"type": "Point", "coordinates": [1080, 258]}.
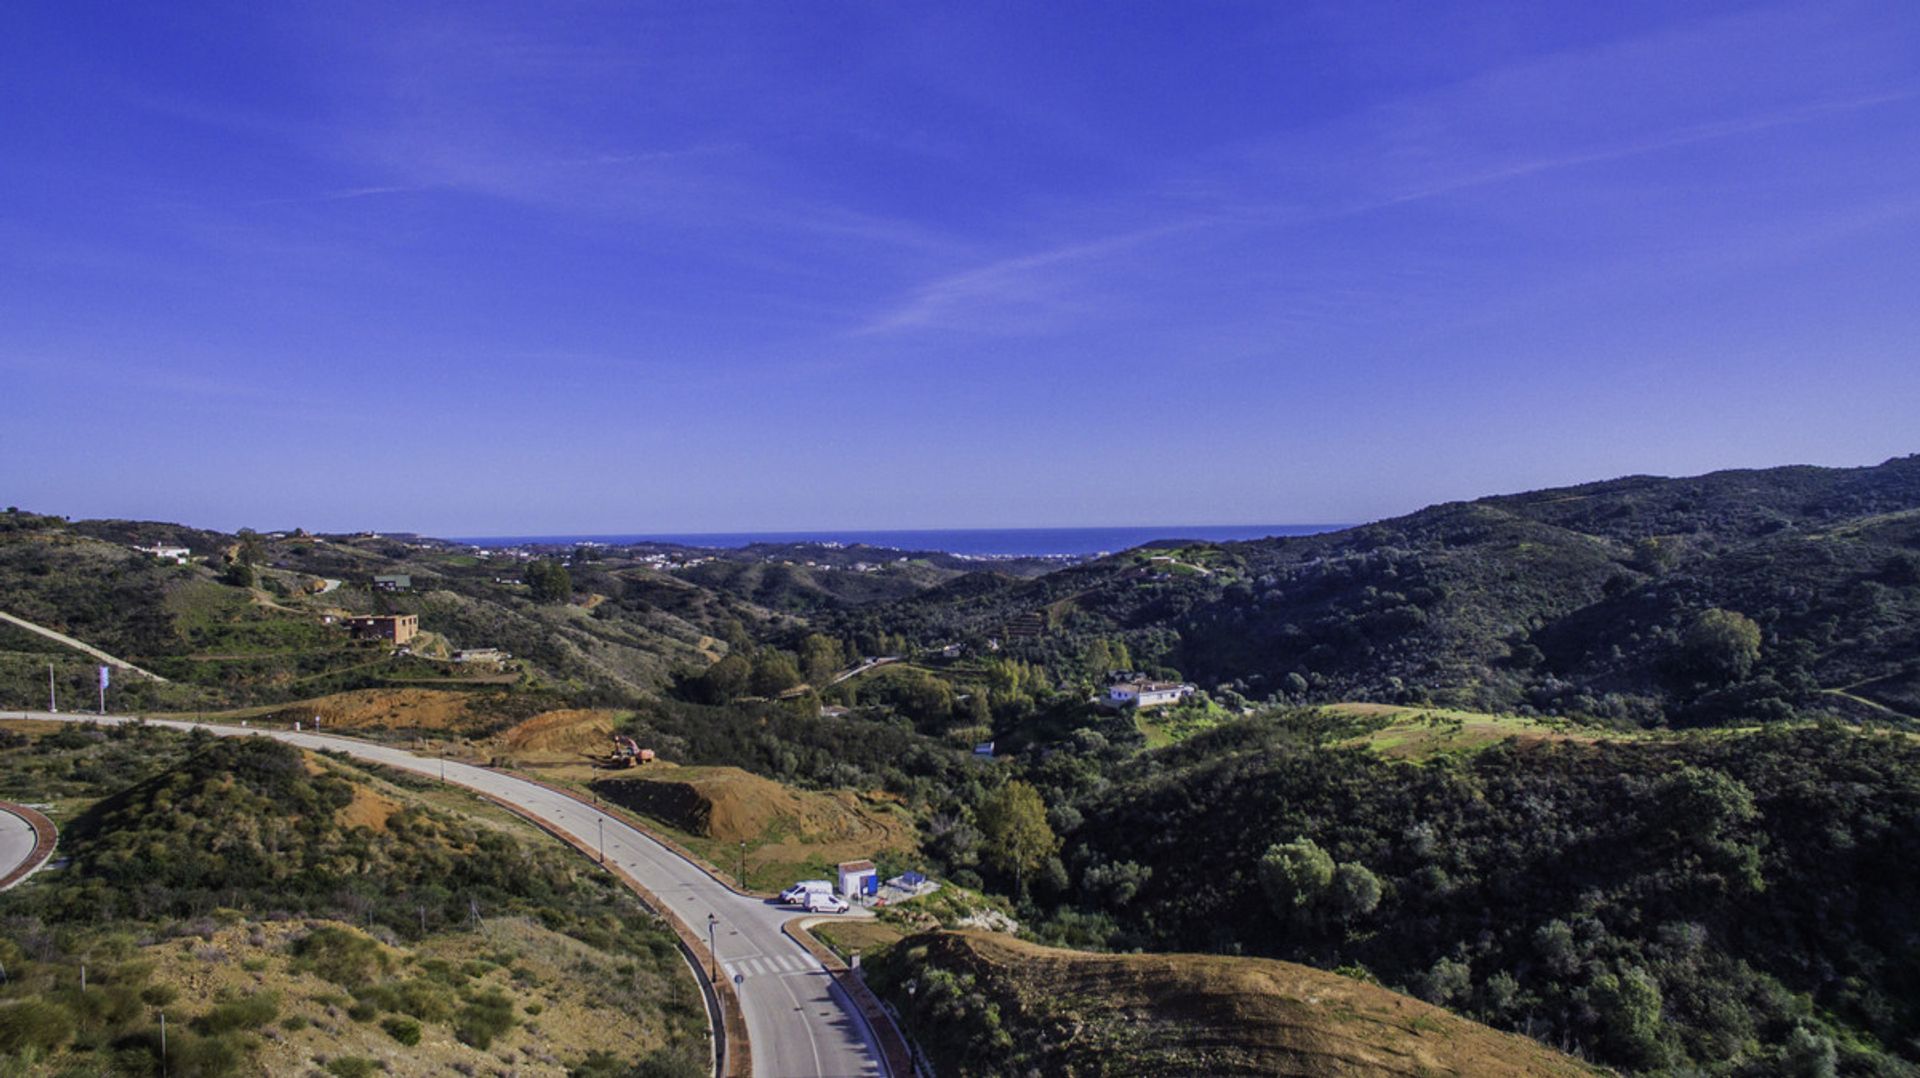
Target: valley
{"type": "Point", "coordinates": [1628, 769]}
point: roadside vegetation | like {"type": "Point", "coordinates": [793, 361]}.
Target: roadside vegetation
{"type": "Point", "coordinates": [286, 912]}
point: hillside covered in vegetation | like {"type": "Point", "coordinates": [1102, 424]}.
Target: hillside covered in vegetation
{"type": "Point", "coordinates": [1725, 597]}
{"type": "Point", "coordinates": [291, 914]}
{"type": "Point", "coordinates": [1627, 768]}
{"type": "Point", "coordinates": [983, 1004]}
{"type": "Point", "coordinates": [1726, 902]}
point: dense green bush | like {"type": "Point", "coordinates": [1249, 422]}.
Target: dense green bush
{"type": "Point", "coordinates": [34, 1025]}
{"type": "Point", "coordinates": [249, 1012]}
{"type": "Point", "coordinates": [404, 1030]}
{"type": "Point", "coordinates": [486, 1016]}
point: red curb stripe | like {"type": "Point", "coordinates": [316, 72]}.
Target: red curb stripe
{"type": "Point", "coordinates": [45, 838]}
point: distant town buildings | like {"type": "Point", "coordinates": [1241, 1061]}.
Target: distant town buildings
{"type": "Point", "coordinates": [392, 582]}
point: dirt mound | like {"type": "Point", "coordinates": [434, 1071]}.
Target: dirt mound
{"type": "Point", "coordinates": [394, 709]}
{"type": "Point", "coordinates": [1081, 1013]}
{"type": "Point", "coordinates": [574, 730]}
{"type": "Point", "coordinates": [731, 805]}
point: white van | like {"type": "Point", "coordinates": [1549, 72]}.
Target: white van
{"type": "Point", "coordinates": [797, 894]}
{"type": "Point", "coordinates": [825, 902]}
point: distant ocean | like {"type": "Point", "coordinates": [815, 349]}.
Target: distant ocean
{"type": "Point", "coordinates": [979, 542]}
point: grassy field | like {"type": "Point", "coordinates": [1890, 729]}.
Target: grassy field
{"type": "Point", "coordinates": [1172, 725]}
{"type": "Point", "coordinates": [1420, 733]}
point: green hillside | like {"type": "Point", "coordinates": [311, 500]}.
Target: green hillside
{"type": "Point", "coordinates": [1577, 601]}
{"type": "Point", "coordinates": [246, 621]}
{"type": "Point", "coordinates": [287, 912]}
{"type": "Point", "coordinates": [1753, 889]}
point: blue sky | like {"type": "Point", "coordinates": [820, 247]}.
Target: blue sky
{"type": "Point", "coordinates": [486, 269]}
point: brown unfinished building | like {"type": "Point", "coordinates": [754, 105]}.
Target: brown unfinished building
{"type": "Point", "coordinates": [395, 629]}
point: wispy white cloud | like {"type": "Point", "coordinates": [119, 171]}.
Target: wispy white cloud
{"type": "Point", "coordinates": [1674, 139]}
{"type": "Point", "coordinates": [1548, 115]}
{"type": "Point", "coordinates": [1024, 292]}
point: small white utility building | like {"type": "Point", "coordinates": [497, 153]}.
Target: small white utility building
{"type": "Point", "coordinates": [858, 878]}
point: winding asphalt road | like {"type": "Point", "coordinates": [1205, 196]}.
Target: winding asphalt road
{"type": "Point", "coordinates": [18, 840]}
{"type": "Point", "coordinates": [799, 1022]}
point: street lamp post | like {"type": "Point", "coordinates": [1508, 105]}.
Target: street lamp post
{"type": "Point", "coordinates": [601, 825]}
{"type": "Point", "coordinates": [713, 955]}
{"type": "Point", "coordinates": [743, 864]}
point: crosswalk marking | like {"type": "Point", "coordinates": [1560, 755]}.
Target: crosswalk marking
{"type": "Point", "coordinates": [768, 965]}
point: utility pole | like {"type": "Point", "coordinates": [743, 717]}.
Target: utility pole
{"type": "Point", "coordinates": [53, 702]}
{"type": "Point", "coordinates": [163, 1044]}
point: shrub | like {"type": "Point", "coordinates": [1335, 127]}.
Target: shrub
{"type": "Point", "coordinates": [34, 1024]}
{"type": "Point", "coordinates": [484, 1018]}
{"type": "Point", "coordinates": [251, 1012]}
{"type": "Point", "coordinates": [203, 1057]}
{"type": "Point", "coordinates": [340, 955]}
{"type": "Point", "coordinates": [352, 1067]}
{"type": "Point", "coordinates": [404, 1030]}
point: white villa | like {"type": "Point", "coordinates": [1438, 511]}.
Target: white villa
{"type": "Point", "coordinates": [1144, 694]}
{"type": "Point", "coordinates": [176, 554]}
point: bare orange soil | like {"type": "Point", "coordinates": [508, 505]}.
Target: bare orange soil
{"type": "Point", "coordinates": [575, 730]}
{"type": "Point", "coordinates": [412, 709]}
{"type": "Point", "coordinates": [369, 808]}
{"type": "Point", "coordinates": [730, 805]}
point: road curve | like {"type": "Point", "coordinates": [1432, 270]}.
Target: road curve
{"type": "Point", "coordinates": [799, 1022]}
{"type": "Point", "coordinates": [26, 841]}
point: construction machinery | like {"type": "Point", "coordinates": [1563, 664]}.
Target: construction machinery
{"type": "Point", "coordinates": [627, 752]}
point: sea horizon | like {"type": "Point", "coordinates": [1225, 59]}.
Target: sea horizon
{"type": "Point", "coordinates": [968, 542]}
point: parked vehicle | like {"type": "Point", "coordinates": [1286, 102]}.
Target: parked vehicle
{"type": "Point", "coordinates": [797, 894]}
{"type": "Point", "coordinates": [827, 902]}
